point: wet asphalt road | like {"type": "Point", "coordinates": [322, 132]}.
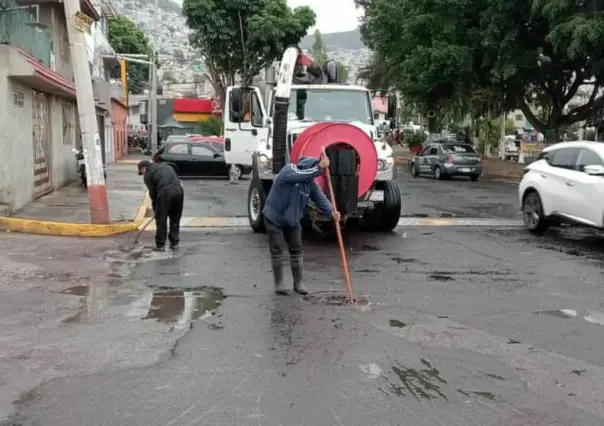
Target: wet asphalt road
{"type": "Point", "coordinates": [453, 326]}
{"type": "Point", "coordinates": [467, 326]}
{"type": "Point", "coordinates": [422, 197]}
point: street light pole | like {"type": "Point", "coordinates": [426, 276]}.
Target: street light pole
{"type": "Point", "coordinates": [153, 136]}
{"type": "Point", "coordinates": [91, 141]}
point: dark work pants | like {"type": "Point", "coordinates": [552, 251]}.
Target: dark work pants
{"type": "Point", "coordinates": [278, 238]}
{"type": "Point", "coordinates": [169, 206]}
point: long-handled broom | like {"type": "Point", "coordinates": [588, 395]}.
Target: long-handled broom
{"type": "Point", "coordinates": [140, 231]}
{"type": "Point", "coordinates": [339, 235]}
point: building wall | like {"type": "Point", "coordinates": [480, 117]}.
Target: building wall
{"type": "Point", "coordinates": [17, 165]}
{"type": "Point", "coordinates": [62, 159]}
{"type": "Point", "coordinates": [119, 118]}
{"type": "Point", "coordinates": [53, 15]}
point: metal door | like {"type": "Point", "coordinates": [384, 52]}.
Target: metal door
{"type": "Point", "coordinates": [41, 139]}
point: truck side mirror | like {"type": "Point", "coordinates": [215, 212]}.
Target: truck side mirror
{"type": "Point", "coordinates": [236, 104]}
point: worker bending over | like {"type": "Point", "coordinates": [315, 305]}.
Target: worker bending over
{"type": "Point", "coordinates": [288, 198]}
{"type": "Point", "coordinates": [167, 197]}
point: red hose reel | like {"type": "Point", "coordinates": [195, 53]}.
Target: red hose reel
{"type": "Point", "coordinates": [311, 141]}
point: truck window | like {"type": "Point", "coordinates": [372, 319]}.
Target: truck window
{"type": "Point", "coordinates": [247, 104]}
{"type": "Point", "coordinates": [257, 116]}
{"type": "Point", "coordinates": [328, 104]}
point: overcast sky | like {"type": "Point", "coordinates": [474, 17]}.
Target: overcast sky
{"type": "Point", "coordinates": [332, 15]}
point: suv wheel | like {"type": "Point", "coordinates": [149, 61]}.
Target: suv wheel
{"type": "Point", "coordinates": [413, 170]}
{"type": "Point", "coordinates": [532, 213]}
{"type": "Point", "coordinates": [437, 173]}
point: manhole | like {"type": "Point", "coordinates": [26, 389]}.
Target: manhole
{"type": "Point", "coordinates": [332, 298]}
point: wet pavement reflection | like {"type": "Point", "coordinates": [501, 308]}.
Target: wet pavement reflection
{"type": "Point", "coordinates": [122, 295]}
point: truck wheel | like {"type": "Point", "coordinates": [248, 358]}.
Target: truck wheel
{"type": "Point", "coordinates": [256, 198]}
{"type": "Point", "coordinates": [392, 206]}
{"type": "Point", "coordinates": [385, 216]}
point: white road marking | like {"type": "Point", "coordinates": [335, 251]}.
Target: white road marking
{"type": "Point", "coordinates": [242, 222]}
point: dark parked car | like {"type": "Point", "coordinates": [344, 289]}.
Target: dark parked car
{"type": "Point", "coordinates": [194, 159]}
{"type": "Point", "coordinates": [215, 141]}
{"type": "Point", "coordinates": [443, 160]}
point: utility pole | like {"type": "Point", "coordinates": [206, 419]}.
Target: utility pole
{"type": "Point", "coordinates": [502, 138]}
{"type": "Point", "coordinates": [77, 24]}
{"type": "Point", "coordinates": [154, 129]}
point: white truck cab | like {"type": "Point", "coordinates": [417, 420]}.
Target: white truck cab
{"type": "Point", "coordinates": [309, 105]}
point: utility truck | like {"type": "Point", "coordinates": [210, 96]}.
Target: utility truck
{"type": "Point", "coordinates": [305, 111]}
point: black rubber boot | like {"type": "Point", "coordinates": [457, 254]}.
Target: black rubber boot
{"type": "Point", "coordinates": [296, 263]}
{"type": "Point", "coordinates": [159, 248]}
{"type": "Point", "coordinates": [277, 264]}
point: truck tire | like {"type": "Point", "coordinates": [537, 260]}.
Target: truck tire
{"type": "Point", "coordinates": [256, 198]}
{"type": "Point", "coordinates": [385, 216]}
{"type": "Point", "coordinates": [391, 209]}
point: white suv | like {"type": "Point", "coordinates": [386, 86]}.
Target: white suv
{"type": "Point", "coordinates": [566, 184]}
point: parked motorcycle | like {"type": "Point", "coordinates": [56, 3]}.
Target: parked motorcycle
{"type": "Point", "coordinates": [81, 167]}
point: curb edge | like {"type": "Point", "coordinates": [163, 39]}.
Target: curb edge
{"type": "Point", "coordinates": [74, 229]}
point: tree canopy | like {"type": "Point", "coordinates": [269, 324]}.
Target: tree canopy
{"type": "Point", "coordinates": [533, 55]}
{"type": "Point", "coordinates": [241, 38]}
{"type": "Point", "coordinates": [126, 37]}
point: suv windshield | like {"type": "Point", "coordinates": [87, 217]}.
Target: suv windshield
{"type": "Point", "coordinates": [331, 104]}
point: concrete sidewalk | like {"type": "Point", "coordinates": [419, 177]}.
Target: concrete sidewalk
{"type": "Point", "coordinates": [66, 211]}
{"type": "Point", "coordinates": [133, 159]}
{"type": "Point", "coordinates": [492, 169]}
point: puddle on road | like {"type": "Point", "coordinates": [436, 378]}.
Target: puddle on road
{"type": "Point", "coordinates": [169, 306]}
{"type": "Point", "coordinates": [558, 313]}
{"type": "Point", "coordinates": [400, 260]}
{"type": "Point", "coordinates": [441, 277]}
{"type": "Point", "coordinates": [77, 290]}
{"type": "Point", "coordinates": [396, 323]}
{"type": "Point", "coordinates": [121, 296]}
{"type": "Point", "coordinates": [166, 306]}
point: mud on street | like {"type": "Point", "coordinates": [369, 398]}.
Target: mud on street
{"type": "Point", "coordinates": [466, 325]}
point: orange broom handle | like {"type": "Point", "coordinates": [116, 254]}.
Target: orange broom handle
{"type": "Point", "coordinates": [339, 234]}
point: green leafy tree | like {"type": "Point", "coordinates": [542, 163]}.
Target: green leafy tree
{"type": "Point", "coordinates": [510, 126]}
{"type": "Point", "coordinates": [241, 38]}
{"type": "Point", "coordinates": [342, 72]}
{"type": "Point", "coordinates": [376, 74]}
{"type": "Point", "coordinates": [526, 53]}
{"type": "Point", "coordinates": [125, 37]}
{"type": "Point", "coordinates": [318, 49]}
{"type": "Point", "coordinates": [213, 126]}
{"type": "Point", "coordinates": [320, 56]}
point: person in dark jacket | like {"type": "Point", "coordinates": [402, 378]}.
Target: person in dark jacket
{"type": "Point", "coordinates": [288, 198]}
{"type": "Point", "coordinates": [167, 197]}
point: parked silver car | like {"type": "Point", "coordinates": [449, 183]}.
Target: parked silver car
{"type": "Point", "coordinates": [443, 160]}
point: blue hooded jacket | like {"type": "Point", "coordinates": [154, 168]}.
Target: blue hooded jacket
{"type": "Point", "coordinates": [291, 191]}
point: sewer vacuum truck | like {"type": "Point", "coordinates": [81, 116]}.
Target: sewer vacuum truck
{"type": "Point", "coordinates": [308, 110]}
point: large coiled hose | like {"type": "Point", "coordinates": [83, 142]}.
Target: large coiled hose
{"type": "Point", "coordinates": [280, 134]}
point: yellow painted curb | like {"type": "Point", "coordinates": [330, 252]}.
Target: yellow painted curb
{"type": "Point", "coordinates": [64, 229]}
{"type": "Point", "coordinates": [71, 229]}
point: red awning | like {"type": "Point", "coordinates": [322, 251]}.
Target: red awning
{"type": "Point", "coordinates": [33, 73]}
{"type": "Point", "coordinates": [200, 106]}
